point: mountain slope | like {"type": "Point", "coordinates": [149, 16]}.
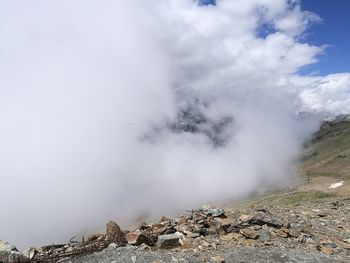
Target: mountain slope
{"type": "Point", "coordinates": [328, 153]}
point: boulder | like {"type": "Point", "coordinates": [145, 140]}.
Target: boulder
{"type": "Point", "coordinates": [224, 223]}
{"type": "Point", "coordinates": [158, 229]}
{"type": "Point", "coordinates": [168, 241]}
{"type": "Point", "coordinates": [246, 218]}
{"type": "Point", "coordinates": [9, 253]}
{"type": "Point", "coordinates": [265, 236]}
{"type": "Point", "coordinates": [137, 238]}
{"type": "Point", "coordinates": [262, 218]}
{"type": "Point", "coordinates": [115, 234]}
{"type": "Point", "coordinates": [30, 252]}
{"type": "Point", "coordinates": [249, 233]}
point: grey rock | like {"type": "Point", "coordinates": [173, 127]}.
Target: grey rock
{"type": "Point", "coordinates": [165, 241]}
{"type": "Point", "coordinates": [30, 252]}
{"type": "Point", "coordinates": [214, 212]}
{"type": "Point", "coordinates": [5, 246]}
{"type": "Point", "coordinates": [9, 253]}
{"type": "Point", "coordinates": [264, 235]}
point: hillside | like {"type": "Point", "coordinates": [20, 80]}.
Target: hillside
{"type": "Point", "coordinates": [328, 153]}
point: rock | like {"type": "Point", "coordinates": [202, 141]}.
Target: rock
{"type": "Point", "coordinates": [182, 238]}
{"type": "Point", "coordinates": [214, 212]}
{"type": "Point", "coordinates": [203, 231]}
{"type": "Point", "coordinates": [340, 243]}
{"type": "Point", "coordinates": [293, 232]}
{"type": "Point", "coordinates": [167, 241]}
{"type": "Point", "coordinates": [214, 230]}
{"type": "Point", "coordinates": [265, 236]}
{"type": "Point", "coordinates": [249, 233]}
{"type": "Point", "coordinates": [115, 234]}
{"type": "Point", "coordinates": [112, 246]}
{"type": "Point", "coordinates": [5, 246]}
{"type": "Point", "coordinates": [144, 226]}
{"type": "Point", "coordinates": [322, 214]}
{"type": "Point", "coordinates": [282, 233]}
{"type": "Point", "coordinates": [30, 252]}
{"type": "Point", "coordinates": [224, 223]}
{"type": "Point", "coordinates": [247, 242]}
{"type": "Point", "coordinates": [325, 250]}
{"type": "Point", "coordinates": [347, 240]}
{"type": "Point", "coordinates": [133, 259]}
{"type": "Point", "coordinates": [218, 259]}
{"type": "Point", "coordinates": [10, 254]}
{"type": "Point", "coordinates": [163, 219]}
{"type": "Point", "coordinates": [193, 235]}
{"type": "Point", "coordinates": [137, 238]}
{"type": "Point", "coordinates": [144, 247]}
{"type": "Point", "coordinates": [246, 218]}
{"type": "Point", "coordinates": [309, 240]}
{"type": "Point", "coordinates": [158, 229]}
{"type": "Point", "coordinates": [230, 236]}
{"type": "Point", "coordinates": [71, 249]}
{"type": "Point", "coordinates": [267, 219]}
{"type": "Point", "coordinates": [308, 229]}
{"type": "Point", "coordinates": [95, 237]}
{"type": "Point", "coordinates": [302, 238]}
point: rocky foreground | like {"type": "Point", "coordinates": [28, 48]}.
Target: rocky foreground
{"type": "Point", "coordinates": [300, 232]}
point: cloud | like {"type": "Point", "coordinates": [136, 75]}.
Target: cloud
{"type": "Point", "coordinates": [327, 94]}
{"type": "Point", "coordinates": [114, 109]}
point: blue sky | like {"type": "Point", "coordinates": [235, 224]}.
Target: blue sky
{"type": "Point", "coordinates": [334, 30]}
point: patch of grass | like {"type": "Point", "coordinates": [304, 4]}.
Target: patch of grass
{"type": "Point", "coordinates": [302, 197]}
{"type": "Point", "coordinates": [328, 154]}
{"type": "Point", "coordinates": [315, 174]}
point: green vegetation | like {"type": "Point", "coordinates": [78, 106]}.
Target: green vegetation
{"type": "Point", "coordinates": [328, 153]}
{"type": "Point", "coordinates": [302, 197]}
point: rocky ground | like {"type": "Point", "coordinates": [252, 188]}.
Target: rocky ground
{"type": "Point", "coordinates": [291, 226]}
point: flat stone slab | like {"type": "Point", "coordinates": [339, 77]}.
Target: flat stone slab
{"type": "Point", "coordinates": [166, 241]}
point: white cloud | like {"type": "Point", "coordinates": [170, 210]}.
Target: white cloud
{"type": "Point", "coordinates": [87, 90]}
{"type": "Point", "coordinates": [329, 94]}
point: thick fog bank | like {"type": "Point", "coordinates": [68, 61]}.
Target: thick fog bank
{"type": "Point", "coordinates": [114, 109]}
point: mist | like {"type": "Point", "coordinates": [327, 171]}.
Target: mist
{"type": "Point", "coordinates": [116, 109]}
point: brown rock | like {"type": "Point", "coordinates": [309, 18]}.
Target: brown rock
{"type": "Point", "coordinates": [225, 223]}
{"type": "Point", "coordinates": [322, 214]}
{"type": "Point", "coordinates": [218, 259]}
{"type": "Point", "coordinates": [158, 229]}
{"type": "Point", "coordinates": [115, 234]}
{"type": "Point", "coordinates": [230, 236]}
{"type": "Point", "coordinates": [340, 243]}
{"type": "Point", "coordinates": [246, 218]}
{"type": "Point", "coordinates": [326, 250]}
{"type": "Point", "coordinates": [95, 237]}
{"type": "Point", "coordinates": [308, 230]}
{"type": "Point", "coordinates": [293, 232]}
{"type": "Point", "coordinates": [137, 238]}
{"type": "Point", "coordinates": [249, 233]}
{"type": "Point", "coordinates": [282, 233]}
{"type": "Point", "coordinates": [248, 242]}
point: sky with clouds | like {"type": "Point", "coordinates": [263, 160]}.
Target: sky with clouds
{"type": "Point", "coordinates": [89, 89]}
{"type": "Point", "coordinates": [332, 31]}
